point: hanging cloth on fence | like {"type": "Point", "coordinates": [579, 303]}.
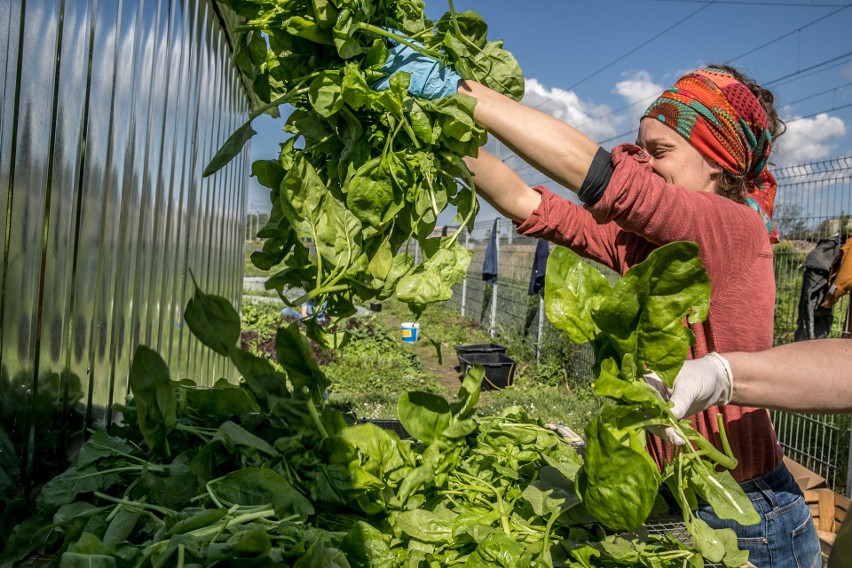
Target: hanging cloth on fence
{"type": "Point", "coordinates": [489, 267]}
{"type": "Point", "coordinates": [840, 279]}
{"type": "Point", "coordinates": [542, 250]}
{"type": "Point", "coordinates": [814, 321]}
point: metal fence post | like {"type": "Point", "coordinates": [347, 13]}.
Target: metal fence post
{"type": "Point", "coordinates": [540, 328]}
{"type": "Point", "coordinates": [494, 289]}
{"type": "Point", "coordinates": [464, 282]}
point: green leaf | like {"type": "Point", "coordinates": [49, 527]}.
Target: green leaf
{"type": "Point", "coordinates": [269, 173]}
{"type": "Point", "coordinates": [468, 394]}
{"type": "Point", "coordinates": [496, 549]}
{"type": "Point", "coordinates": [370, 195]}
{"type": "Point", "coordinates": [295, 355]}
{"type": "Point", "coordinates": [267, 385]}
{"type": "Point", "coordinates": [232, 146]}
{"type": "Point", "coordinates": [101, 445]}
{"type": "Point", "coordinates": [551, 493]}
{"type": "Point", "coordinates": [154, 397]}
{"type": "Point", "coordinates": [722, 492]}
{"type": "Point", "coordinates": [643, 314]}
{"type": "Point", "coordinates": [65, 487]}
{"type": "Point", "coordinates": [427, 526]}
{"type": "Point", "coordinates": [220, 403]}
{"type": "Point", "coordinates": [617, 484]}
{"type": "Point", "coordinates": [254, 486]}
{"type": "Point", "coordinates": [232, 435]}
{"type": "Point", "coordinates": [365, 545]}
{"type": "Point", "coordinates": [572, 290]}
{"type": "Point", "coordinates": [305, 28]}
{"type": "Point", "coordinates": [433, 280]}
{"type": "Point", "coordinates": [325, 94]}
{"type": "Point", "coordinates": [424, 415]}
{"type": "Point", "coordinates": [213, 321]}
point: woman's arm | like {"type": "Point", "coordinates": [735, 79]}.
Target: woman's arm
{"type": "Point", "coordinates": [500, 186]}
{"type": "Point", "coordinates": [807, 376]}
{"type": "Point", "coordinates": [559, 151]}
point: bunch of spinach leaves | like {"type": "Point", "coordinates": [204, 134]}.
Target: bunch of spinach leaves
{"type": "Point", "coordinates": [637, 326]}
{"type": "Point", "coordinates": [266, 473]}
{"type": "Point", "coordinates": [365, 173]}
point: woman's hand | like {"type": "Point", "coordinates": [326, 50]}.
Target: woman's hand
{"type": "Point", "coordinates": [430, 79]}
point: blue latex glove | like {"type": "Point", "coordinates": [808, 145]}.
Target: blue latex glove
{"type": "Point", "coordinates": [429, 78]}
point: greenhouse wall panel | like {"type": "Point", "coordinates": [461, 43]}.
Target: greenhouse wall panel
{"type": "Point", "coordinates": [109, 111]}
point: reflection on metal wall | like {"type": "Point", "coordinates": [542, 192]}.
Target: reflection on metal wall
{"type": "Point", "coordinates": [108, 113]}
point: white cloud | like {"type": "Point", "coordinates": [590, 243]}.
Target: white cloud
{"type": "Point", "coordinates": [809, 139]}
{"type": "Point", "coordinates": [568, 107]}
{"type": "Point", "coordinates": [639, 90]}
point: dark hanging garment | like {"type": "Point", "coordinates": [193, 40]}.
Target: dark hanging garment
{"type": "Point", "coordinates": [542, 250]}
{"type": "Point", "coordinates": [489, 267]}
{"type": "Point", "coordinates": [814, 321]}
{"type": "Point", "coordinates": [444, 231]}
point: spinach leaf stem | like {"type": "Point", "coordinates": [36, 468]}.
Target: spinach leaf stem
{"type": "Point", "coordinates": [398, 38]}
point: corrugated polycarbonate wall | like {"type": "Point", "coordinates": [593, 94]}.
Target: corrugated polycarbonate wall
{"type": "Point", "coordinates": [110, 110]}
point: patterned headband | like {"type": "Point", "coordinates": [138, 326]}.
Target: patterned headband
{"type": "Point", "coordinates": [724, 121]}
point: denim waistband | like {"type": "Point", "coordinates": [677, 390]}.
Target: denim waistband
{"type": "Point", "coordinates": [777, 480]}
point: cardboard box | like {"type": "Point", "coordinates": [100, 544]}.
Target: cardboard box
{"type": "Point", "coordinates": [805, 478]}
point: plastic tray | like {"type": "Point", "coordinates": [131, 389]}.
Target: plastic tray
{"type": "Point", "coordinates": [499, 368]}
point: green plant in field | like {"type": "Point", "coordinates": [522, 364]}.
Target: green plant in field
{"type": "Point", "coordinates": [370, 373]}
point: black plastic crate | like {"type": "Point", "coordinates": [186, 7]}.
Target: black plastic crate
{"type": "Point", "coordinates": [462, 350]}
{"type": "Point", "coordinates": [499, 368]}
{"type": "Point", "coordinates": [388, 424]}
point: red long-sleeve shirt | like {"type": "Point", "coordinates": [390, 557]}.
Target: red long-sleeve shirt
{"type": "Point", "coordinates": [640, 211]}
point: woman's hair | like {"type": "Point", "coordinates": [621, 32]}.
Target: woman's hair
{"type": "Point", "coordinates": [734, 186]}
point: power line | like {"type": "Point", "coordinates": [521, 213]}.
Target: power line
{"type": "Point", "coordinates": [788, 34]}
{"type": "Point", "coordinates": [745, 3]}
{"type": "Point", "coordinates": [833, 59]}
{"type": "Point", "coordinates": [641, 45]}
{"type": "Point", "coordinates": [630, 52]}
{"type": "Point", "coordinates": [806, 75]}
{"type": "Point", "coordinates": [833, 108]}
{"type": "Point", "coordinates": [706, 4]}
{"type": "Point", "coordinates": [818, 94]}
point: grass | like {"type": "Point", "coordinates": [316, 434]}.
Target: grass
{"type": "Point", "coordinates": [250, 269]}
{"type": "Point", "coordinates": [370, 373]}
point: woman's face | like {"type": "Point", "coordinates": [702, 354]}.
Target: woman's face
{"type": "Point", "coordinates": [674, 159]}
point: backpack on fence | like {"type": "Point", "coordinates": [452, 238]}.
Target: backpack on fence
{"type": "Point", "coordinates": [815, 319]}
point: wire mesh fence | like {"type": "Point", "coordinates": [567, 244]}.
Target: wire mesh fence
{"type": "Point", "coordinates": [814, 202]}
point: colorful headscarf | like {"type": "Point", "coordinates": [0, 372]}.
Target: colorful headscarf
{"type": "Point", "coordinates": [724, 121]}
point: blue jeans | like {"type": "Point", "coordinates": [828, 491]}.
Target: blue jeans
{"type": "Point", "coordinates": [786, 536]}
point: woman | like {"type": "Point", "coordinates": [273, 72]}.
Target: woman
{"type": "Point", "coordinates": [697, 172]}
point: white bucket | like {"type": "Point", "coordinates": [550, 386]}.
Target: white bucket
{"type": "Point", "coordinates": [409, 331]}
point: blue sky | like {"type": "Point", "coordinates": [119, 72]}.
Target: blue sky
{"type": "Point", "coordinates": [597, 65]}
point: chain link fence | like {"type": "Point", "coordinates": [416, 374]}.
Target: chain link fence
{"type": "Point", "coordinates": [814, 202]}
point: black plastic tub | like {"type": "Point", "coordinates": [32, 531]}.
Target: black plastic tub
{"type": "Point", "coordinates": [481, 348]}
{"type": "Point", "coordinates": [499, 368]}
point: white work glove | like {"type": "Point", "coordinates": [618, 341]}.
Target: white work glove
{"type": "Point", "coordinates": [700, 384]}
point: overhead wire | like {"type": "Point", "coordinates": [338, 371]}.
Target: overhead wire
{"type": "Point", "coordinates": [641, 45]}
{"type": "Point", "coordinates": [746, 3]}
{"type": "Point", "coordinates": [740, 56]}
{"type": "Point", "coordinates": [631, 51]}
{"type": "Point", "coordinates": [788, 34]}
{"type": "Point", "coordinates": [813, 69]}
